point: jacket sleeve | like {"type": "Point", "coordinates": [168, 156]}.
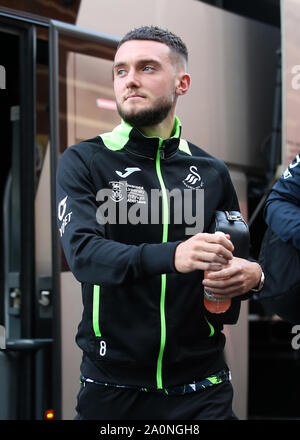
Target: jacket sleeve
{"type": "Point", "coordinates": [282, 209]}
{"type": "Point", "coordinates": [91, 257]}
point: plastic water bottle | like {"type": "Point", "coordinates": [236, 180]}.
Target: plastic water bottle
{"type": "Point", "coordinates": [213, 304]}
{"type": "Point", "coordinates": [216, 305]}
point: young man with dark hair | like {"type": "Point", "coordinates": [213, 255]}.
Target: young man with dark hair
{"type": "Point", "coordinates": [150, 348]}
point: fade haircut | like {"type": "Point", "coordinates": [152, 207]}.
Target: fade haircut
{"type": "Point", "coordinates": [155, 33]}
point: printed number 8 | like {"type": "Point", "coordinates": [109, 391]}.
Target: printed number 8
{"type": "Point", "coordinates": [102, 350]}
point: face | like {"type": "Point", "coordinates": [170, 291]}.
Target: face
{"type": "Point", "coordinates": [145, 82]}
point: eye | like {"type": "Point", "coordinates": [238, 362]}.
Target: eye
{"type": "Point", "coordinates": [120, 72]}
{"type": "Point", "coordinates": [148, 69]}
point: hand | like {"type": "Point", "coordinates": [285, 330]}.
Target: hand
{"type": "Point", "coordinates": [203, 252]}
{"type": "Point", "coordinates": [239, 277]}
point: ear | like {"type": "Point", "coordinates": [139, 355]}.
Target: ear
{"type": "Point", "coordinates": [183, 83]}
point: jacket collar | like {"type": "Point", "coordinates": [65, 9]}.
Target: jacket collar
{"type": "Point", "coordinates": [145, 146]}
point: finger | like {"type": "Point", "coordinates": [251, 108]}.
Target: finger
{"type": "Point", "coordinates": [211, 267]}
{"type": "Point", "coordinates": [222, 287]}
{"type": "Point", "coordinates": [213, 248]}
{"type": "Point", "coordinates": [230, 287]}
{"type": "Point", "coordinates": [206, 266]}
{"type": "Point", "coordinates": [229, 292]}
{"type": "Point", "coordinates": [211, 257]}
{"type": "Point", "coordinates": [224, 273]}
{"type": "Point", "coordinates": [222, 239]}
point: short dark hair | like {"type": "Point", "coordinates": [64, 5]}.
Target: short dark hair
{"type": "Point", "coordinates": [155, 33]}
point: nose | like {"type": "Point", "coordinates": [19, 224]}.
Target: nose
{"type": "Point", "coordinates": [132, 79]}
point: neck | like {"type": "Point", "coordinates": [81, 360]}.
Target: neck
{"type": "Point", "coordinates": [162, 130]}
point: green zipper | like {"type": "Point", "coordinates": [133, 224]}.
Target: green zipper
{"type": "Point", "coordinates": [96, 311]}
{"type": "Point", "coordinates": [163, 276]}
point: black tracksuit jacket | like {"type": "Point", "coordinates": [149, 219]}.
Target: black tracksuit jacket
{"type": "Point", "coordinates": [143, 323]}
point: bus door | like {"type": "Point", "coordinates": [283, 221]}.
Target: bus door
{"type": "Point", "coordinates": [23, 348]}
{"type": "Point", "coordinates": [82, 106]}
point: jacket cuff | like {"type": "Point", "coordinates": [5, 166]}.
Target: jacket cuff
{"type": "Point", "coordinates": [157, 259]}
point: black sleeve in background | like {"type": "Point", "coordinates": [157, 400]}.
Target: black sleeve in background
{"type": "Point", "coordinates": [282, 208]}
{"type": "Point", "coordinates": [91, 257]}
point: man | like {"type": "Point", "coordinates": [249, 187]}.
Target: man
{"type": "Point", "coordinates": [150, 349]}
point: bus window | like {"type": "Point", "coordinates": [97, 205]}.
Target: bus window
{"type": "Point", "coordinates": [86, 109]}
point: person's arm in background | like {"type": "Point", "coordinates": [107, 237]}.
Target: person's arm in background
{"type": "Point", "coordinates": [282, 209]}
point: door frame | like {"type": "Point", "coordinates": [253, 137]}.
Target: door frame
{"type": "Point", "coordinates": [57, 29]}
{"type": "Point", "coordinates": [25, 130]}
